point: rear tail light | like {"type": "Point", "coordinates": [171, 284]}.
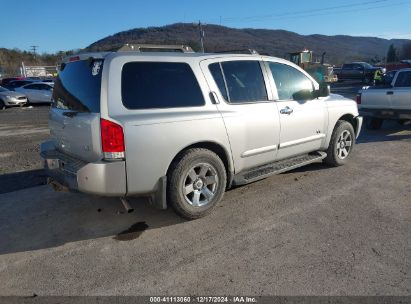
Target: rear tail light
{"type": "Point", "coordinates": [75, 58]}
{"type": "Point", "coordinates": [112, 140]}
{"type": "Point", "coordinates": [358, 99]}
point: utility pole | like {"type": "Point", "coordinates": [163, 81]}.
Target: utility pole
{"type": "Point", "coordinates": [33, 50]}
{"type": "Point", "coordinates": [201, 32]}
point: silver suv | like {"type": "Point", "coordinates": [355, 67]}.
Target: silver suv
{"type": "Point", "coordinates": [183, 128]}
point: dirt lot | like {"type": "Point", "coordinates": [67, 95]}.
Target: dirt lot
{"type": "Point", "coordinates": [312, 231]}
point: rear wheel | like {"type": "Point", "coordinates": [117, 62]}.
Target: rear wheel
{"type": "Point", "coordinates": [197, 182]}
{"type": "Point", "coordinates": [372, 123]}
{"type": "Point", "coordinates": [341, 144]}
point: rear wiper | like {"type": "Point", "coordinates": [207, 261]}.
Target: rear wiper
{"type": "Point", "coordinates": [70, 114]}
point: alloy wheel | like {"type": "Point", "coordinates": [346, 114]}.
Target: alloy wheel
{"type": "Point", "coordinates": [200, 184]}
{"type": "Point", "coordinates": [344, 144]}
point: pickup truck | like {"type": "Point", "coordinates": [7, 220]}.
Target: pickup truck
{"type": "Point", "coordinates": [391, 100]}
{"type": "Point", "coordinates": [357, 71]}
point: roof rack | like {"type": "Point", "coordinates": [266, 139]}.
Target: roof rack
{"type": "Point", "coordinates": [129, 47]}
{"type": "Point", "coordinates": [241, 51]}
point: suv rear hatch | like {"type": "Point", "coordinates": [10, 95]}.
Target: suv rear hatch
{"type": "Point", "coordinates": [74, 118]}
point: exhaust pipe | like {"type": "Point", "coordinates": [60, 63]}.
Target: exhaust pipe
{"type": "Point", "coordinates": [126, 205]}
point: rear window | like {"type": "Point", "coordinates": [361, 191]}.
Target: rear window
{"type": "Point", "coordinates": [403, 79]}
{"type": "Point", "coordinates": [146, 85]}
{"type": "Point", "coordinates": [78, 86]}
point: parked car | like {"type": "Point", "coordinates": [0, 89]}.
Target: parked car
{"type": "Point", "coordinates": [357, 71]}
{"type": "Point", "coordinates": [389, 101]}
{"type": "Point", "coordinates": [6, 81]}
{"type": "Point", "coordinates": [18, 83]}
{"type": "Point", "coordinates": [37, 92]}
{"type": "Point", "coordinates": [9, 98]}
{"type": "Point", "coordinates": [183, 128]}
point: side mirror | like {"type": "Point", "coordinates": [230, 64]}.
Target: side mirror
{"type": "Point", "coordinates": [304, 95]}
{"type": "Point", "coordinates": [323, 91]}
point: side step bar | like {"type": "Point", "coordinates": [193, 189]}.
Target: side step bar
{"type": "Point", "coordinates": [281, 166]}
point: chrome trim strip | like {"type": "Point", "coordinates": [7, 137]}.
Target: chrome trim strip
{"type": "Point", "coordinates": [301, 141]}
{"type": "Point", "coordinates": [258, 151]}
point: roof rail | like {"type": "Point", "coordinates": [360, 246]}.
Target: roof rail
{"type": "Point", "coordinates": [241, 51]}
{"type": "Point", "coordinates": [129, 47]}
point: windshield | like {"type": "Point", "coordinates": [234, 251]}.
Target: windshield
{"type": "Point", "coordinates": [365, 65]}
{"type": "Point", "coordinates": [78, 86]}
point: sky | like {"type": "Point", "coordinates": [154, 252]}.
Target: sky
{"type": "Point", "coordinates": [55, 25]}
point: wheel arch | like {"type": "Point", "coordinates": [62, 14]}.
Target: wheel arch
{"type": "Point", "coordinates": [215, 147]}
{"type": "Point", "coordinates": [348, 117]}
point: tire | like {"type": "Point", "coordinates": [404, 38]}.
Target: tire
{"type": "Point", "coordinates": [196, 183]}
{"type": "Point", "coordinates": [2, 105]}
{"type": "Point", "coordinates": [373, 123]}
{"type": "Point", "coordinates": [341, 144]}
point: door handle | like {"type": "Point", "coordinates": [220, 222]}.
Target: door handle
{"type": "Point", "coordinates": [287, 110]}
{"type": "Point", "coordinates": [390, 93]}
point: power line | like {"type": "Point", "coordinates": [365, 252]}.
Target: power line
{"type": "Point", "coordinates": [336, 12]}
{"type": "Point", "coordinates": [232, 19]}
{"type": "Point", "coordinates": [314, 12]}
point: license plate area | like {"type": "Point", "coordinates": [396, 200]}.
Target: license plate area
{"type": "Point", "coordinates": [53, 164]}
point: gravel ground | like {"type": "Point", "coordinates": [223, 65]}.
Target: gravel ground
{"type": "Point", "coordinates": [21, 131]}
{"type": "Point", "coordinates": [313, 231]}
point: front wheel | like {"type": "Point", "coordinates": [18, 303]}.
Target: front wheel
{"type": "Point", "coordinates": [197, 181]}
{"type": "Point", "coordinates": [2, 105]}
{"type": "Point", "coordinates": [341, 144]}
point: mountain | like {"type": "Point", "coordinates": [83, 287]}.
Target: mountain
{"type": "Point", "coordinates": [339, 49]}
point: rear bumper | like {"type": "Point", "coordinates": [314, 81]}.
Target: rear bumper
{"type": "Point", "coordinates": [385, 113]}
{"type": "Point", "coordinates": [100, 178]}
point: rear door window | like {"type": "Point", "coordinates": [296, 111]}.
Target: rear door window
{"type": "Point", "coordinates": [148, 85]}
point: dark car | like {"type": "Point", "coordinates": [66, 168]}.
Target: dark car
{"type": "Point", "coordinates": [6, 81]}
{"type": "Point", "coordinates": [357, 71]}
{"type": "Point", "coordinates": [17, 83]}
